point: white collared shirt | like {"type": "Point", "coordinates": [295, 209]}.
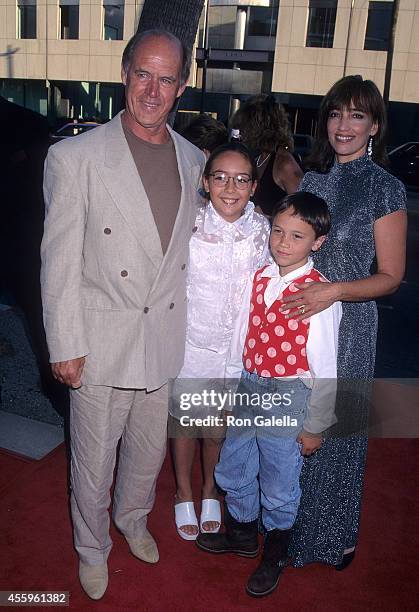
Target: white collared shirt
{"type": "Point", "coordinates": [322, 347]}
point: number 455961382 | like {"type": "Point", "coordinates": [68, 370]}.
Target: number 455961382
{"type": "Point", "coordinates": [34, 598]}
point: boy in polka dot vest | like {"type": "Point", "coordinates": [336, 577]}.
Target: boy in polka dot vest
{"type": "Point", "coordinates": [285, 398]}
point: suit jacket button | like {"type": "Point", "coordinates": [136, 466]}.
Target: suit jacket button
{"type": "Point", "coordinates": [183, 266]}
{"type": "Point", "coordinates": [172, 305]}
{"type": "Point", "coordinates": [194, 229]}
{"type": "Point", "coordinates": [146, 309]}
{"type": "Point", "coordinates": [124, 273]}
{"type": "Point", "coordinates": [107, 230]}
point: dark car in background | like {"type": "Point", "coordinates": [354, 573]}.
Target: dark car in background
{"type": "Point", "coordinates": [404, 163]}
{"type": "Point", "coordinates": [73, 129]}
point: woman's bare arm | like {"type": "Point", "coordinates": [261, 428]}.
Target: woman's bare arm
{"type": "Point", "coordinates": [390, 244]}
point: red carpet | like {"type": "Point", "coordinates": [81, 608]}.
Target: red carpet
{"type": "Point", "coordinates": [10, 467]}
{"type": "Point", "coordinates": [36, 548]}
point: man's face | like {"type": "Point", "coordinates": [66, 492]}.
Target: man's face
{"type": "Point", "coordinates": [152, 83]}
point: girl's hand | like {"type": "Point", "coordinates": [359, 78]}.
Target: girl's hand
{"type": "Point", "coordinates": [310, 443]}
{"type": "Point", "coordinates": [309, 299]}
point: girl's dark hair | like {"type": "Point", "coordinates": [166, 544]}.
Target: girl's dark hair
{"type": "Point", "coordinates": [205, 132]}
{"type": "Point", "coordinates": [235, 147]}
{"type": "Point", "coordinates": [263, 124]}
{"type": "Point", "coordinates": [350, 91]}
{"type": "Point", "coordinates": [309, 207]}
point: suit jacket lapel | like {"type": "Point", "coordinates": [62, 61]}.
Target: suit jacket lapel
{"type": "Point", "coordinates": [189, 177]}
{"type": "Point", "coordinates": [120, 176]}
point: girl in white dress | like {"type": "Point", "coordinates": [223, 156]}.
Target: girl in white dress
{"type": "Point", "coordinates": [229, 242]}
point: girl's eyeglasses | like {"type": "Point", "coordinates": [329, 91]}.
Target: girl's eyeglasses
{"type": "Point", "coordinates": [241, 181]}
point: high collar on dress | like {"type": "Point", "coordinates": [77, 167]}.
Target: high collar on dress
{"type": "Point", "coordinates": [215, 224]}
{"type": "Point", "coordinates": [278, 283]}
{"type": "Point", "coordinates": [355, 166]}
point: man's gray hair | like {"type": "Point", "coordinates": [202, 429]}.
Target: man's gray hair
{"type": "Point", "coordinates": [139, 37]}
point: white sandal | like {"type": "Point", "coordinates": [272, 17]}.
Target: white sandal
{"type": "Point", "coordinates": [210, 512]}
{"type": "Point", "coordinates": [185, 515]}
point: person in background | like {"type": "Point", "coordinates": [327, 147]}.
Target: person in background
{"type": "Point", "coordinates": [264, 128]}
{"type": "Point", "coordinates": [206, 133]}
{"type": "Point", "coordinates": [367, 207]}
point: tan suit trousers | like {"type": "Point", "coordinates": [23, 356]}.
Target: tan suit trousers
{"type": "Point", "coordinates": [100, 417]}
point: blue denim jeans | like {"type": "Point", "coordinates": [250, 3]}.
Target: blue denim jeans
{"type": "Point", "coordinates": [260, 461]}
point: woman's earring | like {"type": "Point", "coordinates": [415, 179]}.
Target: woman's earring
{"type": "Point", "coordinates": [369, 148]}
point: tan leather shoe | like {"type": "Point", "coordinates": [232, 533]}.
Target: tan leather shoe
{"type": "Point", "coordinates": [144, 548]}
{"type": "Point", "coordinates": [93, 579]}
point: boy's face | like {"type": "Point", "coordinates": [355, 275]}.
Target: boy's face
{"type": "Point", "coordinates": [292, 241]}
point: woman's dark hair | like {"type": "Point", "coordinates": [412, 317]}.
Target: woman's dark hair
{"type": "Point", "coordinates": [205, 132]}
{"type": "Point", "coordinates": [350, 91]}
{"type": "Point", "coordinates": [263, 124]}
{"type": "Point", "coordinates": [235, 147]}
{"type": "Point", "coordinates": [309, 207]}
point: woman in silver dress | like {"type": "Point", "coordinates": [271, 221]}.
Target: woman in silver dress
{"type": "Point", "coordinates": [367, 207]}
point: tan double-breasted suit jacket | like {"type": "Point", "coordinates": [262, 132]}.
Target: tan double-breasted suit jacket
{"type": "Point", "coordinates": [108, 292]}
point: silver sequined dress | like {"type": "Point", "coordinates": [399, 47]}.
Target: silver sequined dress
{"type": "Point", "coordinates": [357, 193]}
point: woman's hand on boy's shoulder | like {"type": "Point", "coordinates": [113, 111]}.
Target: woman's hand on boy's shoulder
{"type": "Point", "coordinates": [310, 299]}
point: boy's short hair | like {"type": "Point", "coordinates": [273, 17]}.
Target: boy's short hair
{"type": "Point", "coordinates": [309, 207]}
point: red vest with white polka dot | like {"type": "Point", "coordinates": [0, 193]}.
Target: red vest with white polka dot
{"type": "Point", "coordinates": [276, 346]}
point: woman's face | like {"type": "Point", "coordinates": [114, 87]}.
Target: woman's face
{"type": "Point", "coordinates": [349, 130]}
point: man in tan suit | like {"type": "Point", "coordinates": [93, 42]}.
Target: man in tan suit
{"type": "Point", "coordinates": [120, 209]}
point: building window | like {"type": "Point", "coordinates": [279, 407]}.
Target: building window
{"type": "Point", "coordinates": [69, 19]}
{"type": "Point", "coordinates": [26, 19]}
{"type": "Point", "coordinates": [221, 26]}
{"type": "Point", "coordinates": [113, 19]}
{"type": "Point", "coordinates": [262, 20]}
{"type": "Point", "coordinates": [321, 23]}
{"type": "Point", "coordinates": [378, 30]}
